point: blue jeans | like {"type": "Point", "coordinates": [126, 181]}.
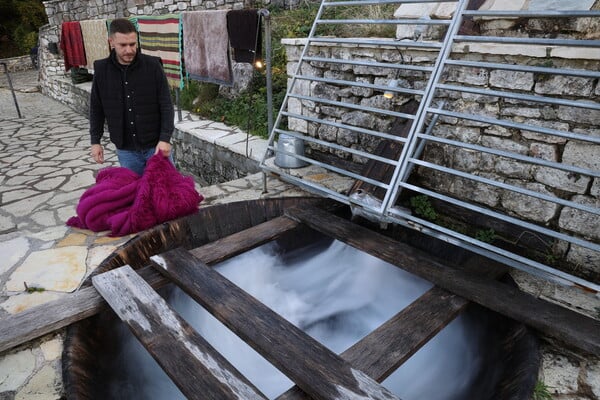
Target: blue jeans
{"type": "Point", "coordinates": [135, 160]}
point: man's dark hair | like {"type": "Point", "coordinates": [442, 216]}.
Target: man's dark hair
{"type": "Point", "coordinates": [121, 25]}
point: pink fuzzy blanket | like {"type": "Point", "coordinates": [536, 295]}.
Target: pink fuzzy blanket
{"type": "Point", "coordinates": [123, 202]}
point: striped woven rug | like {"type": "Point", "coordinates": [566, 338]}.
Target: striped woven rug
{"type": "Point", "coordinates": [160, 36]}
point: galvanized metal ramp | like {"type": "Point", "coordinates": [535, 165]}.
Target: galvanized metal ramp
{"type": "Point", "coordinates": [493, 109]}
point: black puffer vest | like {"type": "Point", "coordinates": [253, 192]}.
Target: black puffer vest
{"type": "Point", "coordinates": [151, 108]}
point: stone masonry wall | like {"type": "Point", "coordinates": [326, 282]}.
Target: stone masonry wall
{"type": "Point", "coordinates": [59, 11]}
{"type": "Point", "coordinates": [582, 189]}
{"type": "Point", "coordinates": [209, 162]}
{"type": "Point", "coordinates": [15, 64]}
{"type": "Point", "coordinates": [550, 181]}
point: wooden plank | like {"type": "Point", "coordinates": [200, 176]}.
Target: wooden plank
{"type": "Point", "coordinates": [37, 321]}
{"type": "Point", "coordinates": [383, 350]}
{"type": "Point", "coordinates": [219, 250]}
{"type": "Point", "coordinates": [198, 370]}
{"type": "Point", "coordinates": [314, 368]}
{"type": "Point", "coordinates": [390, 345]}
{"type": "Point", "coordinates": [572, 328]}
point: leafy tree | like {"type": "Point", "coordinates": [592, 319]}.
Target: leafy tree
{"type": "Point", "coordinates": [20, 21]}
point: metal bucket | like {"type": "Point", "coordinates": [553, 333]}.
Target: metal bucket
{"type": "Point", "coordinates": [289, 144]}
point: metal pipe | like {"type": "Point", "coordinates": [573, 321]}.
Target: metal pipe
{"type": "Point", "coordinates": [526, 68]}
{"type": "Point", "coordinates": [534, 98]}
{"type": "Point", "coordinates": [177, 100]}
{"type": "Point", "coordinates": [371, 64]}
{"type": "Point", "coordinates": [533, 14]}
{"type": "Point", "coordinates": [12, 90]}
{"type": "Point", "coordinates": [352, 106]}
{"type": "Point", "coordinates": [374, 42]}
{"type": "Point", "coordinates": [266, 15]}
{"type": "Point", "coordinates": [378, 2]}
{"type": "Point", "coordinates": [516, 125]}
{"type": "Point", "coordinates": [528, 41]}
{"type": "Point", "coordinates": [267, 18]}
{"type": "Point", "coordinates": [380, 88]}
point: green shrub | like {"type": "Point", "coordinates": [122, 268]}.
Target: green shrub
{"type": "Point", "coordinates": [25, 40]}
{"type": "Point", "coordinates": [487, 235]}
{"type": "Point", "coordinates": [541, 392]}
{"type": "Point", "coordinates": [422, 207]}
{"type": "Point", "coordinates": [20, 21]}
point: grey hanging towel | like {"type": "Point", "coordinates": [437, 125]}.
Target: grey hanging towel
{"type": "Point", "coordinates": [206, 46]}
{"type": "Point", "coordinates": [244, 28]}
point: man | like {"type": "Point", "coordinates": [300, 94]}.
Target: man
{"type": "Point", "coordinates": [130, 92]}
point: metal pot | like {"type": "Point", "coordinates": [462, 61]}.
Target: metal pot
{"type": "Point", "coordinates": [289, 144]}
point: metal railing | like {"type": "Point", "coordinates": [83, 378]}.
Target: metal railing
{"type": "Point", "coordinates": [12, 90]}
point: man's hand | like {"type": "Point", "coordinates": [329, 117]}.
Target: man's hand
{"type": "Point", "coordinates": [164, 148]}
{"type": "Point", "coordinates": [97, 153]}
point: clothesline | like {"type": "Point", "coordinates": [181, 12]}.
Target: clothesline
{"type": "Point", "coordinates": [197, 45]}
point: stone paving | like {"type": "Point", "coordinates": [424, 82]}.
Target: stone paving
{"type": "Point", "coordinates": [44, 168]}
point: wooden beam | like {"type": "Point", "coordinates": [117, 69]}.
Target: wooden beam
{"type": "Point", "coordinates": [383, 350]}
{"type": "Point", "coordinates": [220, 250]}
{"type": "Point", "coordinates": [553, 320]}
{"type": "Point", "coordinates": [196, 368]}
{"type": "Point", "coordinates": [389, 346]}
{"type": "Point", "coordinates": [38, 321]}
{"type": "Point", "coordinates": [314, 368]}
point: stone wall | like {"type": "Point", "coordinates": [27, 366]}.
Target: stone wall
{"type": "Point", "coordinates": [15, 64]}
{"type": "Point", "coordinates": [59, 11]}
{"type": "Point", "coordinates": [210, 162]}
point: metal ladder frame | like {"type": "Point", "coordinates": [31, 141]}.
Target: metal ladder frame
{"type": "Point", "coordinates": [425, 120]}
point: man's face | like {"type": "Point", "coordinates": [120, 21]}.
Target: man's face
{"type": "Point", "coordinates": [125, 45]}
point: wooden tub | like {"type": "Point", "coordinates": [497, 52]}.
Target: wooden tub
{"type": "Point", "coordinates": [220, 232]}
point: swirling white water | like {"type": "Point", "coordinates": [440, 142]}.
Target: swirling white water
{"type": "Point", "coordinates": [337, 295]}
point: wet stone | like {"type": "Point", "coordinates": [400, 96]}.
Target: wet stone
{"type": "Point", "coordinates": [21, 302]}
{"type": "Point", "coordinates": [60, 269]}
